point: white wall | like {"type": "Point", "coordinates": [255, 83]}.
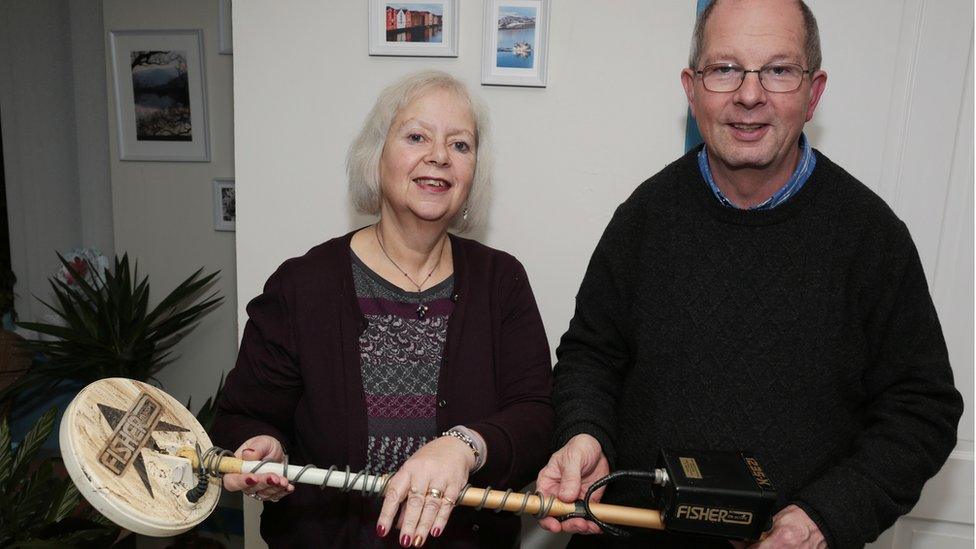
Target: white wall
{"type": "Point", "coordinates": [612, 115]}
{"type": "Point", "coordinates": [37, 106]}
{"type": "Point", "coordinates": [91, 124]}
{"type": "Point", "coordinates": [163, 210]}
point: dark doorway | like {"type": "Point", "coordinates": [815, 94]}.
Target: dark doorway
{"type": "Point", "coordinates": [7, 278]}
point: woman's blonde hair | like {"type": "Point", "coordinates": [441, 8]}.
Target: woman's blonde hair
{"type": "Point", "coordinates": [363, 159]}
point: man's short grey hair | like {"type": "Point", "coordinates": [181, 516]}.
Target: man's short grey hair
{"type": "Point", "coordinates": [811, 46]}
{"type": "Point", "coordinates": [363, 159]}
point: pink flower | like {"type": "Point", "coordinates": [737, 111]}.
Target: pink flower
{"type": "Point", "coordinates": [78, 268]}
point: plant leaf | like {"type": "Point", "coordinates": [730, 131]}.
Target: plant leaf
{"type": "Point", "coordinates": [32, 442]}
{"type": "Point", "coordinates": [6, 455]}
{"type": "Point", "coordinates": [73, 539]}
{"type": "Point", "coordinates": [34, 497]}
{"type": "Point", "coordinates": [64, 501]}
{"type": "Point", "coordinates": [208, 412]}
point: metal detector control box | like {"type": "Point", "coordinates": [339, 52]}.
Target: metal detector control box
{"type": "Point", "coordinates": [715, 493]}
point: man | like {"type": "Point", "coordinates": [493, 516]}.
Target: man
{"type": "Point", "coordinates": [754, 296]}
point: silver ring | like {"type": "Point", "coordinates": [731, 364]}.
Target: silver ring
{"type": "Point", "coordinates": [450, 501]}
{"type": "Point", "coordinates": [435, 493]}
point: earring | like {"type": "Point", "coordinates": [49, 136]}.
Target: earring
{"type": "Point", "coordinates": [464, 213]}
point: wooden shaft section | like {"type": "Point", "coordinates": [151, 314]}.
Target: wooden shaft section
{"type": "Point", "coordinates": [227, 464]}
{"type": "Point", "coordinates": [611, 514]}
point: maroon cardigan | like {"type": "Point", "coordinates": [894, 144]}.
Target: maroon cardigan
{"type": "Point", "coordinates": [298, 379]}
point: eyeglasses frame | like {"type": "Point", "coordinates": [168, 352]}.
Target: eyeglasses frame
{"type": "Point", "coordinates": [746, 71]}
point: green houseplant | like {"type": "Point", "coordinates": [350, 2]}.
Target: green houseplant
{"type": "Point", "coordinates": [106, 328]}
{"type": "Point", "coordinates": [38, 507]}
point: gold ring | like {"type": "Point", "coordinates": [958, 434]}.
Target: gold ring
{"type": "Point", "coordinates": [449, 500]}
{"type": "Point", "coordinates": [435, 493]}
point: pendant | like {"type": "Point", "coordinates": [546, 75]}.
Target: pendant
{"type": "Point", "coordinates": [421, 311]}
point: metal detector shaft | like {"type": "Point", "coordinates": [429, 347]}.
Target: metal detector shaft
{"type": "Point", "coordinates": [472, 497]}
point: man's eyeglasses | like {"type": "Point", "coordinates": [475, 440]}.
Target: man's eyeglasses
{"type": "Point", "coordinates": [774, 77]}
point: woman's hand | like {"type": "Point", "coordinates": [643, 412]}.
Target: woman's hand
{"type": "Point", "coordinates": [427, 485]}
{"type": "Point", "coordinates": [260, 486]}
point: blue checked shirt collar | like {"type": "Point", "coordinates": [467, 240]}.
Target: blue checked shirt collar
{"type": "Point", "coordinates": [808, 161]}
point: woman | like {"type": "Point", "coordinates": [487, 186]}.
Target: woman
{"type": "Point", "coordinates": [398, 347]}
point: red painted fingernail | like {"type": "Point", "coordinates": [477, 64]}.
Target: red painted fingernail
{"type": "Point", "coordinates": [250, 481]}
{"type": "Point", "coordinates": [272, 482]}
{"type": "Point", "coordinates": [380, 531]}
{"type": "Point", "coordinates": [405, 541]}
{"type": "Point", "coordinates": [436, 532]}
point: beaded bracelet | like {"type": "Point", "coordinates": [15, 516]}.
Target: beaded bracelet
{"type": "Point", "coordinates": [463, 437]}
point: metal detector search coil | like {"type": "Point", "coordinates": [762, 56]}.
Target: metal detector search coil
{"type": "Point", "coordinates": [119, 440]}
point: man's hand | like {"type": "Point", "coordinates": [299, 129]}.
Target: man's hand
{"type": "Point", "coordinates": [569, 473]}
{"type": "Point", "coordinates": [792, 528]}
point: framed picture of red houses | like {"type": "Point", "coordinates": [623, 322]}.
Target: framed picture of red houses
{"type": "Point", "coordinates": [427, 28]}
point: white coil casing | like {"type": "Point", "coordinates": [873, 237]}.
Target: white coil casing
{"type": "Point", "coordinates": [108, 437]}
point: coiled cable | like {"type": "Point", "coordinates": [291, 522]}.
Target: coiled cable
{"type": "Point", "coordinates": [208, 461]}
{"type": "Point", "coordinates": [367, 489]}
{"type": "Point", "coordinates": [376, 487]}
{"type": "Point", "coordinates": [545, 504]}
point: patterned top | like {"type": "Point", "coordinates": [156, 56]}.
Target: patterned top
{"type": "Point", "coordinates": [400, 358]}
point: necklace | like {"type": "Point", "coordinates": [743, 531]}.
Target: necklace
{"type": "Point", "coordinates": [421, 308]}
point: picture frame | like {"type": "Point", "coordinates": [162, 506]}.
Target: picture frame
{"type": "Point", "coordinates": [415, 28]}
{"type": "Point", "coordinates": [224, 204]}
{"type": "Point", "coordinates": [515, 45]}
{"type": "Point", "coordinates": [225, 28]}
{"type": "Point", "coordinates": [160, 95]}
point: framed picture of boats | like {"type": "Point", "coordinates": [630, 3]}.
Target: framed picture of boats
{"type": "Point", "coordinates": [160, 99]}
{"type": "Point", "coordinates": [516, 43]}
{"type": "Point", "coordinates": [416, 28]}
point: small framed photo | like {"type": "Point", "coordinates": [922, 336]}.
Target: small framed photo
{"type": "Point", "coordinates": [225, 211]}
{"type": "Point", "coordinates": [413, 28]}
{"type": "Point", "coordinates": [516, 43]}
{"type": "Point", "coordinates": [160, 95]}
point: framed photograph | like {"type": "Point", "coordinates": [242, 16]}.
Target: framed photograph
{"type": "Point", "coordinates": [225, 211]}
{"type": "Point", "coordinates": [225, 28]}
{"type": "Point", "coordinates": [413, 28]}
{"type": "Point", "coordinates": [160, 95]}
{"type": "Point", "coordinates": [516, 43]}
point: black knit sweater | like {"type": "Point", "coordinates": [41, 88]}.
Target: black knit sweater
{"type": "Point", "coordinates": [804, 333]}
